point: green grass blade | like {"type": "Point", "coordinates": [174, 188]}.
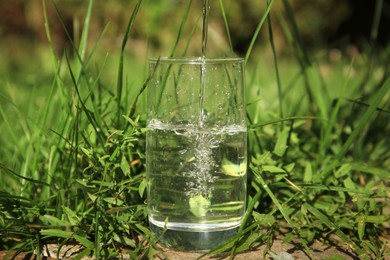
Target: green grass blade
{"type": "Point", "coordinates": [383, 174]}
{"type": "Point", "coordinates": [67, 33]}
{"type": "Point", "coordinates": [319, 97]}
{"type": "Point", "coordinates": [324, 219]}
{"type": "Point", "coordinates": [231, 243]}
{"type": "Point", "coordinates": [84, 35]}
{"type": "Point", "coordinates": [48, 35]}
{"type": "Point", "coordinates": [67, 235]}
{"type": "Point", "coordinates": [5, 168]}
{"type": "Point", "coordinates": [7, 123]}
{"type": "Point", "coordinates": [119, 90]}
{"type": "Point", "coordinates": [82, 48]}
{"type": "Point", "coordinates": [292, 118]}
{"type": "Point", "coordinates": [96, 103]}
{"type": "Point", "coordinates": [256, 34]}
{"type": "Point", "coordinates": [190, 37]}
{"type": "Point", "coordinates": [249, 209]}
{"type": "Point", "coordinates": [365, 118]}
{"type": "Point", "coordinates": [88, 114]}
{"type": "Point", "coordinates": [248, 213]}
{"type": "Point", "coordinates": [84, 253]}
{"type": "Point", "coordinates": [98, 41]}
{"type": "Point", "coordinates": [335, 188]}
{"type": "Point", "coordinates": [225, 21]}
{"type": "Point", "coordinates": [55, 59]}
{"type": "Point", "coordinates": [282, 142]}
{"type": "Point", "coordinates": [360, 103]}
{"type": "Point", "coordinates": [96, 229]}
{"type": "Point", "coordinates": [144, 86]}
{"type": "Point", "coordinates": [278, 80]}
{"type": "Point", "coordinates": [272, 196]}
{"type": "Point", "coordinates": [376, 20]}
{"type": "Point", "coordinates": [182, 24]}
{"type": "Point", "coordinates": [295, 34]}
{"type": "Point", "coordinates": [325, 141]}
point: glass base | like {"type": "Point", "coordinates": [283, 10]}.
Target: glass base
{"type": "Point", "coordinates": [193, 240]}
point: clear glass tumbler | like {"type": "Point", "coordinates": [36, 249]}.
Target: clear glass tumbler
{"type": "Point", "coordinates": [196, 150]}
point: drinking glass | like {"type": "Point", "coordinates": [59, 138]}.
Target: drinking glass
{"type": "Point", "coordinates": [196, 150]}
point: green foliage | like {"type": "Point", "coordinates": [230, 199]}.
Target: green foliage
{"type": "Point", "coordinates": [72, 167]}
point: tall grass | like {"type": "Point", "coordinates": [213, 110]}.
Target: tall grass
{"type": "Point", "coordinates": [72, 167]}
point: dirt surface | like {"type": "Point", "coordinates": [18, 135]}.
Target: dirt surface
{"type": "Point", "coordinates": [279, 250]}
{"type": "Point", "coordinates": [336, 250]}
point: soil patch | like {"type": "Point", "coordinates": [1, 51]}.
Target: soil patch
{"type": "Point", "coordinates": [335, 249]}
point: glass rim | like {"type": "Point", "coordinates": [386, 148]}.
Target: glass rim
{"type": "Point", "coordinates": [195, 60]}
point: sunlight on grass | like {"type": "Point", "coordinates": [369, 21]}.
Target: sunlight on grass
{"type": "Point", "coordinates": [72, 155]}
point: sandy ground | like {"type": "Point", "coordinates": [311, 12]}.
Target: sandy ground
{"type": "Point", "coordinates": [280, 250]}
{"type": "Point", "coordinates": [337, 250]}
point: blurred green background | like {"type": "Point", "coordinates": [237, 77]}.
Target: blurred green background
{"type": "Point", "coordinates": [335, 32]}
{"type": "Point", "coordinates": [328, 73]}
{"type": "Point", "coordinates": [342, 25]}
